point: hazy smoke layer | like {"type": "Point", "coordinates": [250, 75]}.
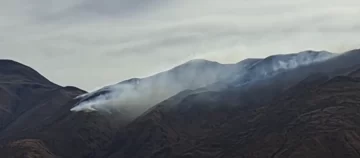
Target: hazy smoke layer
{"type": "Point", "coordinates": [137, 95]}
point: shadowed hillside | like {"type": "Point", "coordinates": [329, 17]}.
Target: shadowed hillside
{"type": "Point", "coordinates": [36, 120]}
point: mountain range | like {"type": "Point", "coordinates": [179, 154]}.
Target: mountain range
{"type": "Point", "coordinates": [137, 95]}
{"type": "Point", "coordinates": [294, 105]}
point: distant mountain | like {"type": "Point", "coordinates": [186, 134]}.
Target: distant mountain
{"type": "Point", "coordinates": [136, 95]}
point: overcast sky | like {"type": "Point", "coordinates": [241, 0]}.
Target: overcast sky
{"type": "Point", "coordinates": [91, 43]}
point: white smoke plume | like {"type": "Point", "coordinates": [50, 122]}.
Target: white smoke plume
{"type": "Point", "coordinates": [285, 62]}
{"type": "Point", "coordinates": [135, 96]}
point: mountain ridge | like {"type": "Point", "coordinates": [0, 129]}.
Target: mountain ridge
{"type": "Point", "coordinates": [196, 128]}
{"type": "Point", "coordinates": [194, 74]}
{"type": "Point", "coordinates": [10, 67]}
{"type": "Point", "coordinates": [263, 118]}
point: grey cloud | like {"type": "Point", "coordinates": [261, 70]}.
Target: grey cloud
{"type": "Point", "coordinates": [118, 7]}
{"type": "Point", "coordinates": [89, 43]}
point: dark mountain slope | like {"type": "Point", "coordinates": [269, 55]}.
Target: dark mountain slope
{"type": "Point", "coordinates": [319, 122]}
{"type": "Point", "coordinates": [19, 87]}
{"type": "Point", "coordinates": [304, 112]}
{"type": "Point", "coordinates": [36, 120]}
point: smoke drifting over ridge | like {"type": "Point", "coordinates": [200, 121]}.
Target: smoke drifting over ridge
{"type": "Point", "coordinates": [135, 96]}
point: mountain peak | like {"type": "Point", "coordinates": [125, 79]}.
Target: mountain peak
{"type": "Point", "coordinates": [10, 69]}
{"type": "Point", "coordinates": [130, 81]}
{"type": "Point", "coordinates": [9, 62]}
{"type": "Point", "coordinates": [6, 64]}
{"type": "Point", "coordinates": [198, 62]}
{"type": "Point", "coordinates": [304, 54]}
{"type": "Point", "coordinates": [316, 53]}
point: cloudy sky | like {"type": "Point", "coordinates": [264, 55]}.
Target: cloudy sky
{"type": "Point", "coordinates": [91, 43]}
